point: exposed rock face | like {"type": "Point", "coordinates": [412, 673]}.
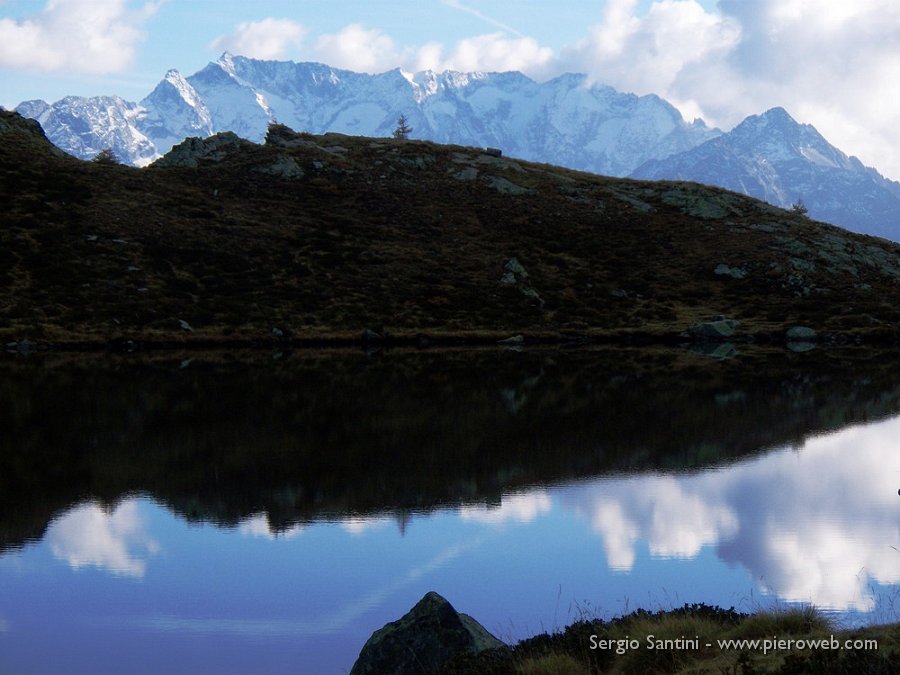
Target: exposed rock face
{"type": "Point", "coordinates": [213, 149]}
{"type": "Point", "coordinates": [423, 640]}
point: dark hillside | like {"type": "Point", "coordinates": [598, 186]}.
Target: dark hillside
{"type": "Point", "coordinates": [327, 236]}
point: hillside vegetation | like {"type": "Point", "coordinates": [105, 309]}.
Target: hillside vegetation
{"type": "Point", "coordinates": [324, 237]}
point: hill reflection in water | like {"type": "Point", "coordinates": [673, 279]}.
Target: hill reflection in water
{"type": "Point", "coordinates": [238, 513]}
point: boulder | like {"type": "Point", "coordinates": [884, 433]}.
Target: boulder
{"type": "Point", "coordinates": [800, 334]}
{"type": "Point", "coordinates": [723, 270]}
{"type": "Point", "coordinates": [425, 639]}
{"type": "Point", "coordinates": [514, 267]}
{"type": "Point", "coordinates": [192, 150]}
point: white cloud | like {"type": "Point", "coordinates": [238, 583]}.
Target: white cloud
{"type": "Point", "coordinates": [88, 535]}
{"type": "Point", "coordinates": [358, 48]}
{"type": "Point", "coordinates": [81, 36]}
{"type": "Point", "coordinates": [491, 53]}
{"type": "Point", "coordinates": [266, 39]}
{"type": "Point", "coordinates": [829, 63]}
{"type": "Point", "coordinates": [649, 54]}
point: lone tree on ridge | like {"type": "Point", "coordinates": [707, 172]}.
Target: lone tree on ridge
{"type": "Point", "coordinates": [403, 129]}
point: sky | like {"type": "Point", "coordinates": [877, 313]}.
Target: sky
{"type": "Point", "coordinates": [834, 64]}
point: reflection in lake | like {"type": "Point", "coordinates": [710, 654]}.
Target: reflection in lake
{"type": "Point", "coordinates": [112, 540]}
{"type": "Point", "coordinates": [267, 517]}
{"type": "Point", "coordinates": [810, 525]}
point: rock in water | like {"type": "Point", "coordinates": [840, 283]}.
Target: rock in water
{"type": "Point", "coordinates": [423, 640]}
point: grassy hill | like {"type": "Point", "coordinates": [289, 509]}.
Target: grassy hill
{"type": "Point", "coordinates": [324, 237]}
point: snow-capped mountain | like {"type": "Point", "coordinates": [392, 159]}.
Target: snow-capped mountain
{"type": "Point", "coordinates": [172, 112]}
{"type": "Point", "coordinates": [565, 121]}
{"type": "Point", "coordinates": [85, 126]}
{"type": "Point", "coordinates": [773, 157]}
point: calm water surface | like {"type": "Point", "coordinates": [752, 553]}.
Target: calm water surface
{"type": "Point", "coordinates": [266, 516]}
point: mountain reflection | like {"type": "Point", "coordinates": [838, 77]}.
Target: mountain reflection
{"type": "Point", "coordinates": [815, 524]}
{"type": "Point", "coordinates": [273, 445]}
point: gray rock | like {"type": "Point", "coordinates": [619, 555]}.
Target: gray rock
{"type": "Point", "coordinates": [493, 152]}
{"type": "Point", "coordinates": [214, 149]}
{"type": "Point", "coordinates": [504, 186]}
{"type": "Point", "coordinates": [717, 329]}
{"type": "Point", "coordinates": [724, 270]}
{"type": "Point", "coordinates": [700, 202]}
{"type": "Point", "coordinates": [468, 173]}
{"type": "Point", "coordinates": [423, 640]}
{"type": "Point", "coordinates": [800, 334]}
{"type": "Point", "coordinates": [514, 267]}
{"type": "Point", "coordinates": [282, 167]}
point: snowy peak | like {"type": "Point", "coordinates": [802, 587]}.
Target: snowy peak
{"type": "Point", "coordinates": [565, 121]}
{"type": "Point", "coordinates": [773, 157]}
{"type": "Point", "coordinates": [781, 138]}
{"type": "Point", "coordinates": [569, 121]}
{"type": "Point", "coordinates": [84, 126]}
{"type": "Point", "coordinates": [173, 111]}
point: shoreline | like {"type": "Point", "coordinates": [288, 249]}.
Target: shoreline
{"type": "Point", "coordinates": [419, 340]}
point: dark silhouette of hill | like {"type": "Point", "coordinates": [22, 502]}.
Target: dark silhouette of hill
{"type": "Point", "coordinates": [324, 237]}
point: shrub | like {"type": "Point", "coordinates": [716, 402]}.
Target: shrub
{"type": "Point", "coordinates": [799, 208]}
{"type": "Point", "coordinates": [106, 156]}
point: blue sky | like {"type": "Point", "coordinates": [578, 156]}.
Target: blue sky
{"type": "Point", "coordinates": [831, 64]}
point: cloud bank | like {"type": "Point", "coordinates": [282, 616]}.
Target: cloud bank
{"type": "Point", "coordinates": [75, 36]}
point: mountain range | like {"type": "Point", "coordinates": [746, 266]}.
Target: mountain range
{"type": "Point", "coordinates": [567, 121]}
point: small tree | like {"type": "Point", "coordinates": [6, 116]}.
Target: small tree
{"type": "Point", "coordinates": [106, 156]}
{"type": "Point", "coordinates": [799, 208]}
{"type": "Point", "coordinates": [403, 129]}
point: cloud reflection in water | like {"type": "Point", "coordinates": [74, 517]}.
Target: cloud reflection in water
{"type": "Point", "coordinates": [89, 535]}
{"type": "Point", "coordinates": [814, 524]}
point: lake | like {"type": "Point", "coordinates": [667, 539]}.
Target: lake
{"type": "Point", "coordinates": [266, 512]}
